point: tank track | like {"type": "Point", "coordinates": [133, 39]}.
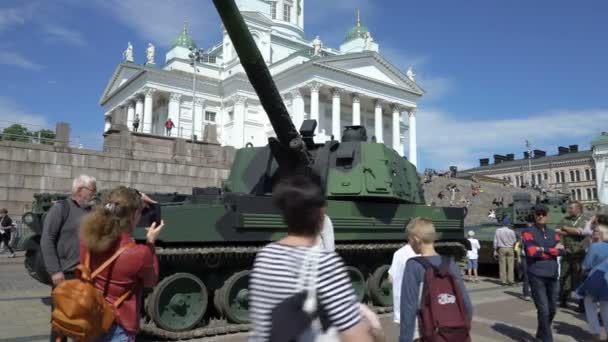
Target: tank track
{"type": "Point", "coordinates": [214, 328]}
{"type": "Point", "coordinates": [217, 327]}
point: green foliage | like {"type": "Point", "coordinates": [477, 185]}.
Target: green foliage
{"type": "Point", "coordinates": [17, 132]}
{"type": "Point", "coordinates": [46, 136]}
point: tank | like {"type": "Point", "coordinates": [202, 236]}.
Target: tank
{"type": "Point", "coordinates": [518, 212]}
{"type": "Point", "coordinates": [207, 248]}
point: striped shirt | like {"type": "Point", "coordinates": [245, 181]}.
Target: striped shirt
{"type": "Point", "coordinates": [274, 278]}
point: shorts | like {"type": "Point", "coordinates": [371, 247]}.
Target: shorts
{"type": "Point", "coordinates": [472, 264]}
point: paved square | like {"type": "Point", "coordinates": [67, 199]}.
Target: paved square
{"type": "Point", "coordinates": [500, 315]}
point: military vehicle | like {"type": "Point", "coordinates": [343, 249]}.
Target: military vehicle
{"type": "Point", "coordinates": [207, 248]}
{"type": "Point", "coordinates": [518, 212]}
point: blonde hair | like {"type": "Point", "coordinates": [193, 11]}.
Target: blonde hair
{"type": "Point", "coordinates": [421, 228]}
{"type": "Point", "coordinates": [100, 229]}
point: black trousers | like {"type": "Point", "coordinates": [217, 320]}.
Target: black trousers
{"type": "Point", "coordinates": [544, 293]}
{"type": "Point", "coordinates": [67, 276]}
{"type": "Point", "coordinates": [6, 238]}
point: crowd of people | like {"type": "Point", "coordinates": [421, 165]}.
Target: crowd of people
{"type": "Point", "coordinates": [561, 266]}
{"type": "Point", "coordinates": [299, 286]}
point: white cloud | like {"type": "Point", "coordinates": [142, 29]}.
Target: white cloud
{"type": "Point", "coordinates": [161, 21]}
{"type": "Point", "coordinates": [11, 113]}
{"type": "Point", "coordinates": [15, 16]}
{"type": "Point", "coordinates": [18, 60]}
{"type": "Point", "coordinates": [58, 33]}
{"type": "Point", "coordinates": [446, 139]}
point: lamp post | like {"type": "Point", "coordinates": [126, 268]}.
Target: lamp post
{"type": "Point", "coordinates": [196, 56]}
{"type": "Point", "coordinates": [528, 146]}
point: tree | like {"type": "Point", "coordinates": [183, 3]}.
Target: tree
{"type": "Point", "coordinates": [45, 136]}
{"type": "Point", "coordinates": [16, 132]}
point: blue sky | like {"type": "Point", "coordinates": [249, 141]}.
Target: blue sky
{"type": "Point", "coordinates": [496, 72]}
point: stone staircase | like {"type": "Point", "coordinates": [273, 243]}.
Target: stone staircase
{"type": "Point", "coordinates": [478, 206]}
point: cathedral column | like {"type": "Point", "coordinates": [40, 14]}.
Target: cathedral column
{"type": "Point", "coordinates": [238, 136]}
{"type": "Point", "coordinates": [314, 103]}
{"type": "Point", "coordinates": [378, 126]}
{"type": "Point", "coordinates": [413, 158]}
{"type": "Point", "coordinates": [130, 114]}
{"type": "Point", "coordinates": [139, 110]}
{"type": "Point", "coordinates": [173, 114]}
{"type": "Point", "coordinates": [148, 110]}
{"type": "Point", "coordinates": [335, 114]}
{"type": "Point", "coordinates": [298, 106]}
{"type": "Point", "coordinates": [396, 129]}
{"type": "Point", "coordinates": [356, 110]}
{"type": "Point", "coordinates": [199, 105]}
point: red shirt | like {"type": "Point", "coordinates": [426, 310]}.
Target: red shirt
{"type": "Point", "coordinates": [136, 269]}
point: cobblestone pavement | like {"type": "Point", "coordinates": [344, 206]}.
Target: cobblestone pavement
{"type": "Point", "coordinates": [500, 315]}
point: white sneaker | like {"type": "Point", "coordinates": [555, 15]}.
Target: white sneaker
{"type": "Point", "coordinates": [12, 255]}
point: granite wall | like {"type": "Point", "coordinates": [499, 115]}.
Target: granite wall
{"type": "Point", "coordinates": [149, 163]}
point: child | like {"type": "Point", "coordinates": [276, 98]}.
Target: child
{"type": "Point", "coordinates": [421, 236]}
{"type": "Point", "coordinates": [473, 256]}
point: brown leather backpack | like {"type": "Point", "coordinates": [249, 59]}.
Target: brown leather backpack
{"type": "Point", "coordinates": [80, 311]}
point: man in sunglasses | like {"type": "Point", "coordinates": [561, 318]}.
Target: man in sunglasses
{"type": "Point", "coordinates": [542, 246]}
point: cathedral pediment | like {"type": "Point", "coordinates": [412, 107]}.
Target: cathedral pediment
{"type": "Point", "coordinates": [122, 75]}
{"type": "Point", "coordinates": [372, 65]}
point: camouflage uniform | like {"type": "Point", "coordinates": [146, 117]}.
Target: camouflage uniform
{"type": "Point", "coordinates": [571, 274]}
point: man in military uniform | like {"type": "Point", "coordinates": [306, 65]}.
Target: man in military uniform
{"type": "Point", "coordinates": [571, 274]}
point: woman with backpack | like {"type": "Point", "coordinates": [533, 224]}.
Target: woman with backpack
{"type": "Point", "coordinates": [293, 278]}
{"type": "Point", "coordinates": [103, 232]}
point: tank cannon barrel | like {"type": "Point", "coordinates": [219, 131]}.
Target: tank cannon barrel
{"type": "Point", "coordinates": [259, 76]}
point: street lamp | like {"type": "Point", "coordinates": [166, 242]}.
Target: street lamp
{"type": "Point", "coordinates": [196, 55]}
{"type": "Point", "coordinates": [528, 146]}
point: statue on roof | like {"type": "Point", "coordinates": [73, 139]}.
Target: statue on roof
{"type": "Point", "coordinates": [150, 54]}
{"type": "Point", "coordinates": [369, 41]}
{"type": "Point", "coordinates": [410, 74]}
{"type": "Point", "coordinates": [317, 44]}
{"type": "Point", "coordinates": [127, 55]}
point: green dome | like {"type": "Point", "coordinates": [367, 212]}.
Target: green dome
{"type": "Point", "coordinates": [184, 39]}
{"type": "Point", "coordinates": [600, 140]}
{"type": "Point", "coordinates": [358, 31]}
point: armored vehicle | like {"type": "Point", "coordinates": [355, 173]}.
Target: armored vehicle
{"type": "Point", "coordinates": [207, 248]}
{"type": "Point", "coordinates": [518, 213]}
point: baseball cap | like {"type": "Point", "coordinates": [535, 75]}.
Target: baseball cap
{"type": "Point", "coordinates": [540, 208]}
{"type": "Point", "coordinates": [471, 233]}
{"type": "Point", "coordinates": [506, 221]}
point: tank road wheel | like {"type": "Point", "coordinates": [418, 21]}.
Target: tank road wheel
{"type": "Point", "coordinates": [380, 288]}
{"type": "Point", "coordinates": [178, 302]}
{"type": "Point", "coordinates": [358, 281]}
{"type": "Point", "coordinates": [233, 297]}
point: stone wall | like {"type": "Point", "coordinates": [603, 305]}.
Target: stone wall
{"type": "Point", "coordinates": [149, 163]}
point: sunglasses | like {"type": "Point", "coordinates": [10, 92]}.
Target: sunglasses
{"type": "Point", "coordinates": [541, 213]}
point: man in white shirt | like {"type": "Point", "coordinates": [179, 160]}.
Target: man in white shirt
{"type": "Point", "coordinates": [395, 275]}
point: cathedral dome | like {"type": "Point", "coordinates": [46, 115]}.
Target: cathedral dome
{"type": "Point", "coordinates": [184, 39]}
{"type": "Point", "coordinates": [359, 31]}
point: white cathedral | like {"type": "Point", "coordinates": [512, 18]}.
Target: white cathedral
{"type": "Point", "coordinates": [352, 85]}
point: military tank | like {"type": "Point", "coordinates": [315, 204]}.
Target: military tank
{"type": "Point", "coordinates": [207, 248]}
{"type": "Point", "coordinates": [518, 212]}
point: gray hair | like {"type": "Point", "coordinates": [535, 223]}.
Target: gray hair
{"type": "Point", "coordinates": [83, 181]}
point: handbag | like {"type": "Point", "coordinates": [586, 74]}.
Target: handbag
{"type": "Point", "coordinates": [300, 318]}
